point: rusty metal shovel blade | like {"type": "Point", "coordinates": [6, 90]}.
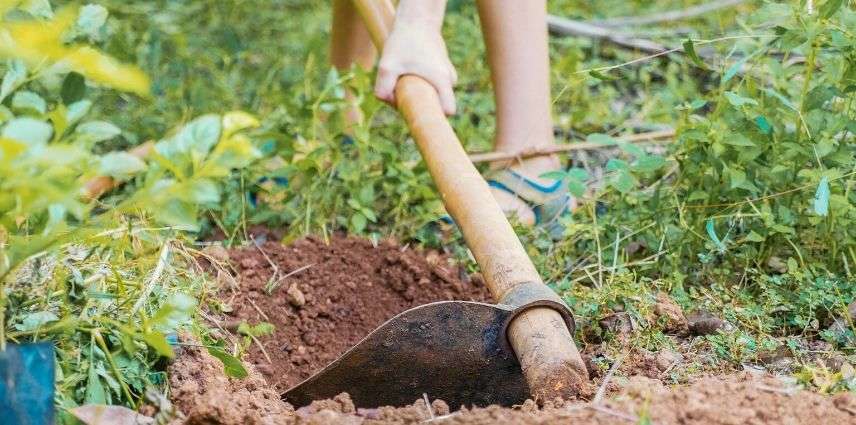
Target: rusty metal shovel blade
{"type": "Point", "coordinates": [450, 350]}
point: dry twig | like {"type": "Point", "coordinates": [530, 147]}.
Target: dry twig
{"type": "Point", "coordinates": [667, 16]}
{"type": "Point", "coordinates": [649, 137]}
{"type": "Point", "coordinates": [601, 391]}
{"type": "Point", "coordinates": [568, 27]}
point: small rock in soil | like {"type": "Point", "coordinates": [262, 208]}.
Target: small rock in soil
{"type": "Point", "coordinates": [295, 296]}
{"type": "Point", "coordinates": [216, 252]}
{"type": "Point", "coordinates": [620, 324]}
{"type": "Point", "coordinates": [667, 358]}
{"type": "Point", "coordinates": [703, 322]}
{"type": "Point", "coordinates": [779, 359]}
{"type": "Point", "coordinates": [671, 313]}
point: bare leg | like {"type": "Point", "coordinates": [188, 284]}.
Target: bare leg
{"type": "Point", "coordinates": [350, 44]}
{"type": "Point", "coordinates": [515, 33]}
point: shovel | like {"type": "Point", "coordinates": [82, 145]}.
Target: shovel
{"type": "Point", "coordinates": [466, 353]}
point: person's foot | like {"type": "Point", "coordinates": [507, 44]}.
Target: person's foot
{"type": "Point", "coordinates": [518, 200]}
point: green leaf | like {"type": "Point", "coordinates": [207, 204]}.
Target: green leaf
{"type": "Point", "coordinates": [16, 74]}
{"type": "Point", "coordinates": [177, 309]}
{"type": "Point", "coordinates": [830, 7]}
{"type": "Point", "coordinates": [73, 88]}
{"type": "Point", "coordinates": [737, 139]}
{"type": "Point", "coordinates": [38, 8]}
{"type": "Point", "coordinates": [737, 101]}
{"type": "Point", "coordinates": [736, 177]}
{"type": "Point", "coordinates": [600, 138]}
{"type": "Point", "coordinates": [821, 198]}
{"type": "Point", "coordinates": [95, 393]}
{"type": "Point", "coordinates": [763, 124]}
{"type": "Point", "coordinates": [711, 232]}
{"type": "Point", "coordinates": [358, 222]}
{"type": "Point", "coordinates": [232, 366]}
{"type": "Point", "coordinates": [615, 164]}
{"type": "Point", "coordinates": [576, 187]}
{"type": "Point", "coordinates": [76, 111]}
{"type": "Point", "coordinates": [698, 103]}
{"type": "Point", "coordinates": [576, 180]}
{"type": "Point", "coordinates": [818, 96]}
{"type": "Point", "coordinates": [632, 149]}
{"type": "Point", "coordinates": [649, 163]}
{"type": "Point", "coordinates": [120, 165]}
{"type": "Point", "coordinates": [178, 213]}
{"type": "Point", "coordinates": [27, 102]}
{"type": "Point", "coordinates": [198, 137]}
{"type": "Point", "coordinates": [204, 191]}
{"type": "Point", "coordinates": [257, 330]}
{"type": "Point", "coordinates": [623, 181]}
{"type": "Point", "coordinates": [689, 50]}
{"type": "Point", "coordinates": [90, 20]}
{"type": "Point", "coordinates": [785, 101]}
{"type": "Point", "coordinates": [754, 237]}
{"type": "Point", "coordinates": [28, 130]}
{"type": "Point", "coordinates": [158, 341]}
{"type": "Point", "coordinates": [36, 320]}
{"type": "Point", "coordinates": [737, 66]}
{"type": "Point", "coordinates": [578, 173]}
{"type": "Point", "coordinates": [98, 131]}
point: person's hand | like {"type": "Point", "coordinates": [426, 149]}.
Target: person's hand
{"type": "Point", "coordinates": [416, 48]}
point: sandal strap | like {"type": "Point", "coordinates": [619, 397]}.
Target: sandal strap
{"type": "Point", "coordinates": [548, 202]}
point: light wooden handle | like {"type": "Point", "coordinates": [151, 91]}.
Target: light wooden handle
{"type": "Point", "coordinates": [539, 336]}
{"type": "Point", "coordinates": [466, 195]}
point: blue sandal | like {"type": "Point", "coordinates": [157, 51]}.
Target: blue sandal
{"type": "Point", "coordinates": [548, 203]}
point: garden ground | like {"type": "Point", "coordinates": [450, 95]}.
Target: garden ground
{"type": "Point", "coordinates": [324, 296]}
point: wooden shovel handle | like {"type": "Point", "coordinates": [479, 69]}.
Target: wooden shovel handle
{"type": "Point", "coordinates": [541, 340]}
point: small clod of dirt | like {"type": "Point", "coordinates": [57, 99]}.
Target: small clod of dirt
{"type": "Point", "coordinates": [205, 395]}
{"type": "Point", "coordinates": [328, 296]}
{"type": "Point", "coordinates": [703, 322]}
{"type": "Point", "coordinates": [667, 310]}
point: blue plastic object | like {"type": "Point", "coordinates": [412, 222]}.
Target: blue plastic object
{"type": "Point", "coordinates": [27, 384]}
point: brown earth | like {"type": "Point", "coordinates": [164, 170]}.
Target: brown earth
{"type": "Point", "coordinates": [330, 296]}
{"type": "Point", "coordinates": [345, 289]}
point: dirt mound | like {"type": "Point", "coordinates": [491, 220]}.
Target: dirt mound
{"type": "Point", "coordinates": [329, 296]}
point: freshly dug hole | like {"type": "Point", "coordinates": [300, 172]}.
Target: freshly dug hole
{"type": "Point", "coordinates": [333, 296]}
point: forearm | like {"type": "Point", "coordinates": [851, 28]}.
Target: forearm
{"type": "Point", "coordinates": [427, 13]}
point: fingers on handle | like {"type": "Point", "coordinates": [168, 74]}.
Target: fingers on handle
{"type": "Point", "coordinates": [447, 98]}
{"type": "Point", "coordinates": [387, 77]}
{"type": "Point", "coordinates": [385, 83]}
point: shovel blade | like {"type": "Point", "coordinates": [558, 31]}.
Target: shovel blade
{"type": "Point", "coordinates": [450, 350]}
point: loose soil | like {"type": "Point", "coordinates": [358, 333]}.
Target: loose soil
{"type": "Point", "coordinates": [330, 295]}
